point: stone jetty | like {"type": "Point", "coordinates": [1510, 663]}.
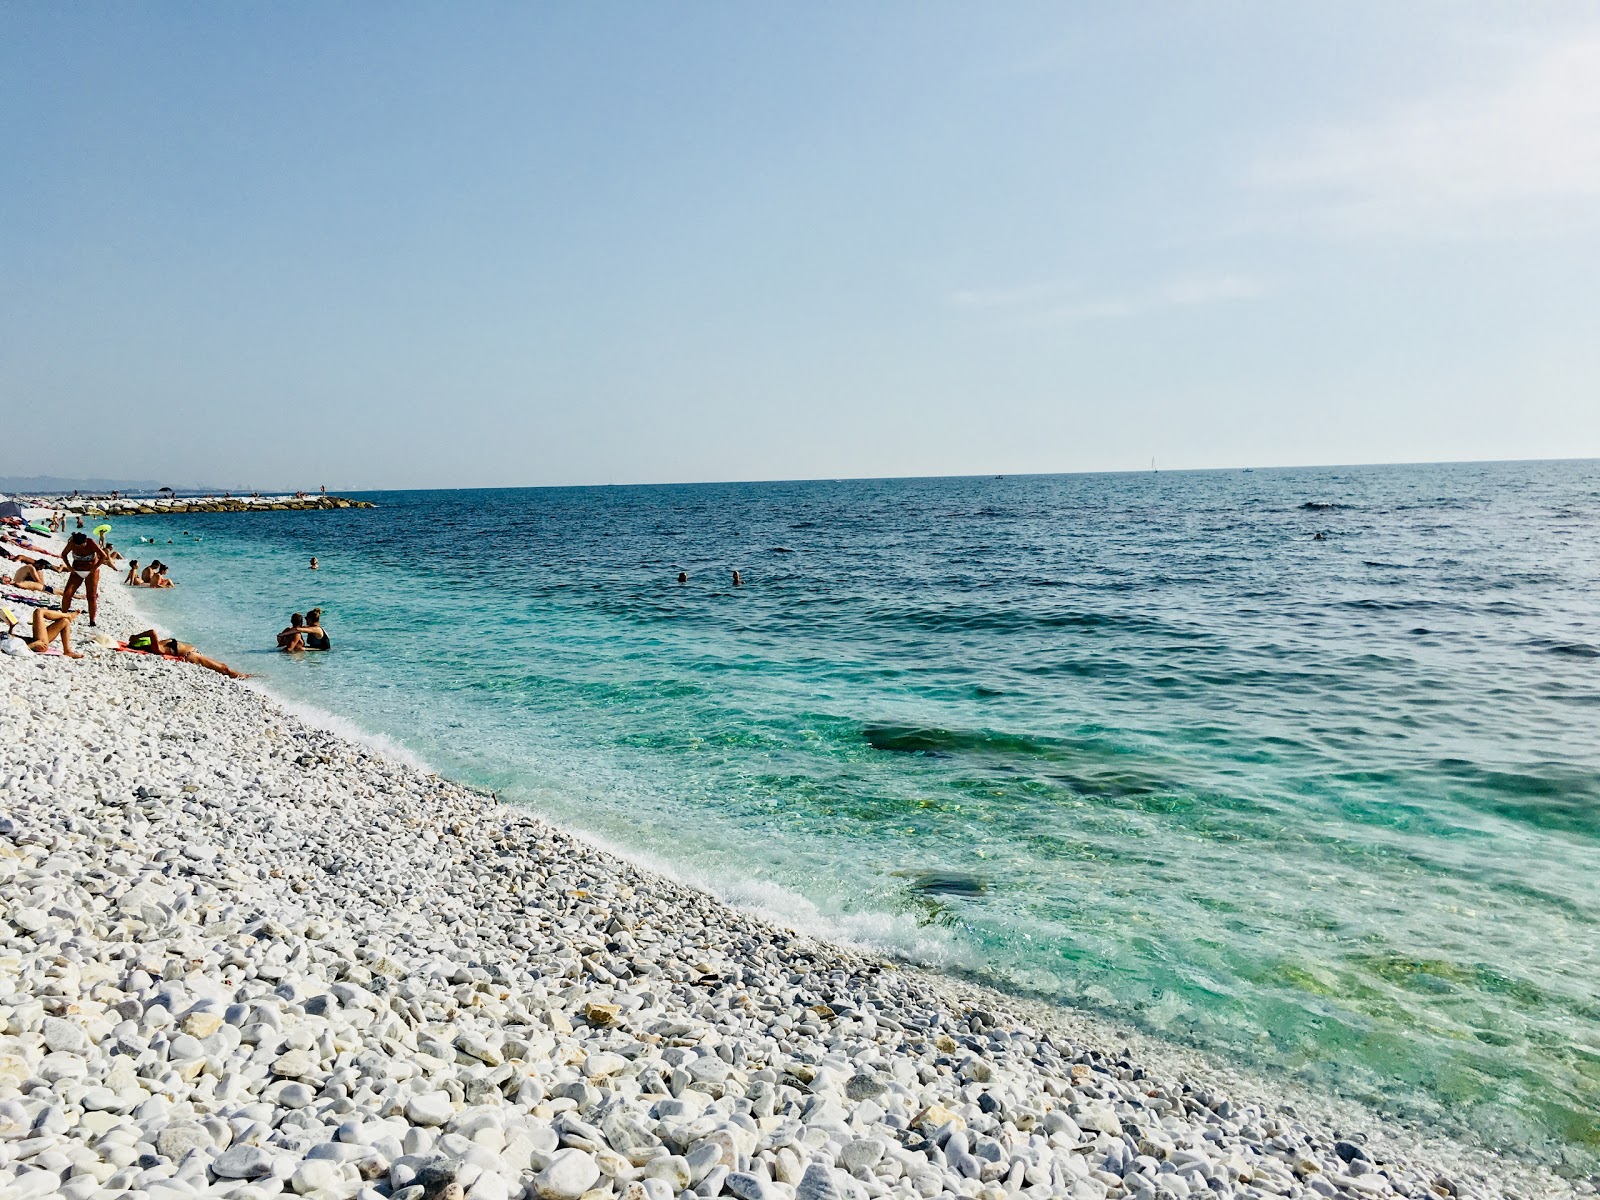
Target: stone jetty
{"type": "Point", "coordinates": [127, 506]}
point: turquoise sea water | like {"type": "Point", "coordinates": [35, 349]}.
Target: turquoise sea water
{"type": "Point", "coordinates": [1137, 743]}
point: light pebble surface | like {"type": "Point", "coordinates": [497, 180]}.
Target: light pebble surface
{"type": "Point", "coordinates": [241, 956]}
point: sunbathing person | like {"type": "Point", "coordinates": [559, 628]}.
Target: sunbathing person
{"type": "Point", "coordinates": [49, 626]}
{"type": "Point", "coordinates": [29, 576]}
{"type": "Point", "coordinates": [153, 643]}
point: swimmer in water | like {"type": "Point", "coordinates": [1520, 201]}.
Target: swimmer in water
{"type": "Point", "coordinates": [313, 562]}
{"type": "Point", "coordinates": [738, 580]}
{"type": "Point", "coordinates": [683, 577]}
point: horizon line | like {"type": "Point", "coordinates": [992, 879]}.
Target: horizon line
{"type": "Point", "coordinates": [512, 487]}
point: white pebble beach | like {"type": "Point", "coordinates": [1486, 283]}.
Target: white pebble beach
{"type": "Point", "coordinates": [243, 956]}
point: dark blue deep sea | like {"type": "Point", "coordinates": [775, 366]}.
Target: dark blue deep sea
{"type": "Point", "coordinates": [1133, 742]}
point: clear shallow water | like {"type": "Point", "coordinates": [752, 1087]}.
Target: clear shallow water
{"type": "Point", "coordinates": [1134, 742]}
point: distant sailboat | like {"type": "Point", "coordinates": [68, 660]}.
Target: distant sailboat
{"type": "Point", "coordinates": [1152, 462]}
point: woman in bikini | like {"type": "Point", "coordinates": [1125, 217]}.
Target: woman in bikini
{"type": "Point", "coordinates": [49, 626]}
{"type": "Point", "coordinates": [151, 642]}
{"type": "Point", "coordinates": [84, 557]}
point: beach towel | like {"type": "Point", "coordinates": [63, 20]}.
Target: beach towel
{"type": "Point", "coordinates": [35, 599]}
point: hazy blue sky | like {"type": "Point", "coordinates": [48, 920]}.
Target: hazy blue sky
{"type": "Point", "coordinates": [461, 244]}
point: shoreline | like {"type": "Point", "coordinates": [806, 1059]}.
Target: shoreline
{"type": "Point", "coordinates": [894, 1069]}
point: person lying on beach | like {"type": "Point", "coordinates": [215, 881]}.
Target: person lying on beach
{"type": "Point", "coordinates": [83, 557]}
{"type": "Point", "coordinates": [316, 638]}
{"type": "Point", "coordinates": [292, 640]}
{"type": "Point", "coordinates": [49, 626]}
{"type": "Point", "coordinates": [26, 546]}
{"type": "Point", "coordinates": [29, 576]}
{"type": "Point", "coordinates": [152, 642]}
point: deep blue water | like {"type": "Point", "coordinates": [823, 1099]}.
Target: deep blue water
{"type": "Point", "coordinates": [1136, 742]}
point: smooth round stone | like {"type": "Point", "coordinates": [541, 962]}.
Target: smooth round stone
{"type": "Point", "coordinates": [489, 1186]}
{"type": "Point", "coordinates": [65, 1037]}
{"type": "Point", "coordinates": [33, 1185]}
{"type": "Point", "coordinates": [708, 1069]}
{"type": "Point", "coordinates": [292, 1064]}
{"type": "Point", "coordinates": [185, 1047]}
{"type": "Point", "coordinates": [571, 1173]}
{"type": "Point", "coordinates": [749, 1187]}
{"type": "Point", "coordinates": [862, 1154]}
{"type": "Point", "coordinates": [176, 1140]}
{"type": "Point", "coordinates": [429, 1108]}
{"type": "Point", "coordinates": [202, 1024]}
{"type": "Point", "coordinates": [315, 1174]}
{"type": "Point", "coordinates": [30, 920]}
{"type": "Point", "coordinates": [598, 1066]}
{"type": "Point", "coordinates": [62, 1065]}
{"type": "Point", "coordinates": [243, 1162]}
{"type": "Point", "coordinates": [99, 1099]}
{"type": "Point", "coordinates": [296, 1095]}
{"type": "Point", "coordinates": [817, 1184]}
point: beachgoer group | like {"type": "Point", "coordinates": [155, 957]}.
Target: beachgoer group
{"type": "Point", "coordinates": [305, 632]}
{"type": "Point", "coordinates": [81, 561]}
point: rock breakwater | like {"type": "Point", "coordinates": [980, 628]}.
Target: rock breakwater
{"type": "Point", "coordinates": [102, 506]}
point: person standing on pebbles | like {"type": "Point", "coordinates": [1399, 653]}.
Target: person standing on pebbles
{"type": "Point", "coordinates": [83, 557]}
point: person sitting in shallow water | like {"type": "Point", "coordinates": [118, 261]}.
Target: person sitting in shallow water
{"type": "Point", "coordinates": [153, 643]}
{"type": "Point", "coordinates": [133, 579]}
{"type": "Point", "coordinates": [292, 640]}
{"type": "Point", "coordinates": [315, 636]}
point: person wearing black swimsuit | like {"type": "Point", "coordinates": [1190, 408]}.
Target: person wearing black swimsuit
{"type": "Point", "coordinates": [312, 632]}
